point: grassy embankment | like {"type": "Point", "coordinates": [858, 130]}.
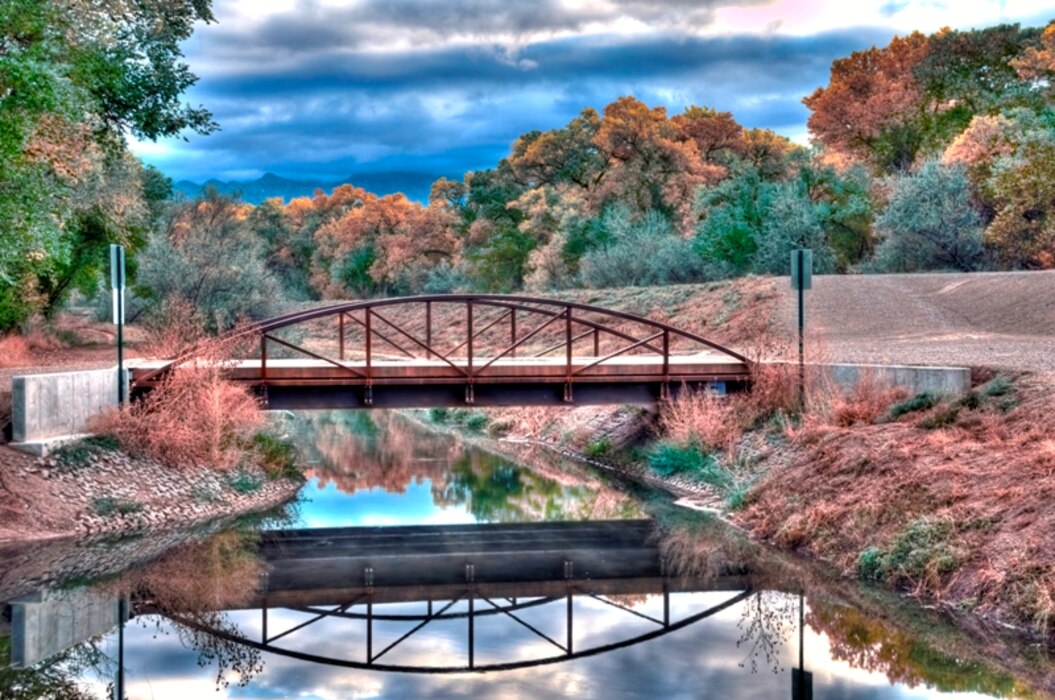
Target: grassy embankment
{"type": "Point", "coordinates": [947, 497]}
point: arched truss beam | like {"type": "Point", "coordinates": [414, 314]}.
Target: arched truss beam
{"type": "Point", "coordinates": [568, 651]}
{"type": "Point", "coordinates": [465, 363]}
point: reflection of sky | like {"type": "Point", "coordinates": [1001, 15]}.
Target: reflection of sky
{"type": "Point", "coordinates": [701, 660]}
{"type": "Point", "coordinates": [330, 507]}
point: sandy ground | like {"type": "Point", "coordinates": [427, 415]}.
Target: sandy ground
{"type": "Point", "coordinates": [992, 319]}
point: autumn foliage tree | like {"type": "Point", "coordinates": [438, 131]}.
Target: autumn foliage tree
{"type": "Point", "coordinates": [381, 243]}
{"type": "Point", "coordinates": [873, 104]}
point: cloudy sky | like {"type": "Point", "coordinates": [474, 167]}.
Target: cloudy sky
{"type": "Point", "coordinates": [320, 89]}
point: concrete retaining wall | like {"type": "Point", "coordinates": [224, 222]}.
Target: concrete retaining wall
{"type": "Point", "coordinates": [50, 622]}
{"type": "Point", "coordinates": [47, 406]}
{"type": "Point", "coordinates": [945, 380]}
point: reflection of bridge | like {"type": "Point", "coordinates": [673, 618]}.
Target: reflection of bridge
{"type": "Point", "coordinates": [523, 574]}
{"type": "Point", "coordinates": [487, 350]}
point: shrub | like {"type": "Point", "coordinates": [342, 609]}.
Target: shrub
{"type": "Point", "coordinates": [244, 482]}
{"type": "Point", "coordinates": [702, 417]}
{"type": "Point", "coordinates": [998, 386]}
{"type": "Point", "coordinates": [668, 458]}
{"type": "Point", "coordinates": [109, 505]}
{"type": "Point", "coordinates": [919, 556]}
{"type": "Point", "coordinates": [439, 415]}
{"type": "Point", "coordinates": [598, 448]}
{"type": "Point", "coordinates": [75, 455]}
{"type": "Point", "coordinates": [920, 402]}
{"type": "Point", "coordinates": [870, 564]}
{"type": "Point", "coordinates": [476, 422]}
{"type": "Point", "coordinates": [193, 417]}
{"type": "Point", "coordinates": [645, 252]}
{"type": "Point", "coordinates": [277, 456]}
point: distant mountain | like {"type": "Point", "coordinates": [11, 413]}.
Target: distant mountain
{"type": "Point", "coordinates": [415, 186]}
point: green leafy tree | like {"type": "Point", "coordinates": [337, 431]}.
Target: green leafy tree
{"type": "Point", "coordinates": [209, 258]}
{"type": "Point", "coordinates": [735, 212]}
{"type": "Point", "coordinates": [76, 76]}
{"type": "Point", "coordinates": [645, 251]}
{"type": "Point", "coordinates": [793, 221]}
{"type": "Point", "coordinates": [930, 223]}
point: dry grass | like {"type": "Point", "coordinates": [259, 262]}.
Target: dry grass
{"type": "Point", "coordinates": [26, 350]}
{"type": "Point", "coordinates": [704, 418]}
{"type": "Point", "coordinates": [194, 417]}
{"type": "Point", "coordinates": [952, 502]}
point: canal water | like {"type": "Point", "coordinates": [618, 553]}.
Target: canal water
{"type": "Point", "coordinates": [679, 606]}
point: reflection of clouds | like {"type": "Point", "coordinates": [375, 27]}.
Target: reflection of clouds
{"type": "Point", "coordinates": [700, 660]}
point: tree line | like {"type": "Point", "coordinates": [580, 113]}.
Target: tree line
{"type": "Point", "coordinates": [932, 153]}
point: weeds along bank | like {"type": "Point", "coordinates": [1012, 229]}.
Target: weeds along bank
{"type": "Point", "coordinates": [197, 448]}
{"type": "Point", "coordinates": [946, 497]}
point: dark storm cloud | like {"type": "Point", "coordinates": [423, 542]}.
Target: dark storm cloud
{"type": "Point", "coordinates": [294, 96]}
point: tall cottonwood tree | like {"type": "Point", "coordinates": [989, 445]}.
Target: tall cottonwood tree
{"type": "Point", "coordinates": [77, 76]}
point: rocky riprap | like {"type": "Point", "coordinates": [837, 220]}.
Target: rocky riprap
{"type": "Point", "coordinates": [117, 493]}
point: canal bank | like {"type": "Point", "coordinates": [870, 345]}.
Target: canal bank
{"type": "Point", "coordinates": [943, 496]}
{"type": "Point", "coordinates": [91, 488]}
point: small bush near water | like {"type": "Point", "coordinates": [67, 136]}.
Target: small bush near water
{"type": "Point", "coordinates": [277, 456]}
{"type": "Point", "coordinates": [109, 505]}
{"type": "Point", "coordinates": [75, 455]}
{"type": "Point", "coordinates": [673, 459]}
{"type": "Point", "coordinates": [919, 556]}
{"type": "Point", "coordinates": [243, 482]}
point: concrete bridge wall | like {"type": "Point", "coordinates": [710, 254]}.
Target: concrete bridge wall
{"type": "Point", "coordinates": [49, 406]}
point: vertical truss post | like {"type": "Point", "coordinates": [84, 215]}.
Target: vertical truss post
{"type": "Point", "coordinates": [263, 355]}
{"type": "Point", "coordinates": [263, 621]}
{"type": "Point", "coordinates": [368, 397]}
{"type": "Point", "coordinates": [664, 391]}
{"type": "Point", "coordinates": [340, 334]}
{"type": "Point", "coordinates": [568, 644]}
{"type": "Point", "coordinates": [567, 355]}
{"type": "Point", "coordinates": [472, 638]}
{"type": "Point", "coordinates": [666, 604]}
{"type": "Point", "coordinates": [428, 330]}
{"type": "Point", "coordinates": [513, 332]}
{"type": "Point", "coordinates": [596, 342]}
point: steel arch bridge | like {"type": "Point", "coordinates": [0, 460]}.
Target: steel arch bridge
{"type": "Point", "coordinates": [467, 349]}
{"type": "Point", "coordinates": [379, 590]}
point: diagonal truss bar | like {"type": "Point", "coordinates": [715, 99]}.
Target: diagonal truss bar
{"type": "Point", "coordinates": [327, 613]}
{"type": "Point", "coordinates": [383, 337]}
{"type": "Point", "coordinates": [480, 332]}
{"type": "Point", "coordinates": [524, 339]}
{"type": "Point", "coordinates": [563, 343]}
{"type": "Point", "coordinates": [420, 344]}
{"type": "Point", "coordinates": [617, 353]}
{"type": "Point", "coordinates": [417, 627]}
{"type": "Point", "coordinates": [625, 609]}
{"type": "Point", "coordinates": [309, 353]}
{"type": "Point", "coordinates": [534, 629]}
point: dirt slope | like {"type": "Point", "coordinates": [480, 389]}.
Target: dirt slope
{"type": "Point", "coordinates": [996, 319]}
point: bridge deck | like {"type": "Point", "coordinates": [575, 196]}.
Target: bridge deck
{"type": "Point", "coordinates": [318, 566]}
{"type": "Point", "coordinates": [310, 383]}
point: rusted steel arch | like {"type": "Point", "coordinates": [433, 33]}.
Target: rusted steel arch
{"type": "Point", "coordinates": [552, 309]}
{"type": "Point", "coordinates": [515, 302]}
